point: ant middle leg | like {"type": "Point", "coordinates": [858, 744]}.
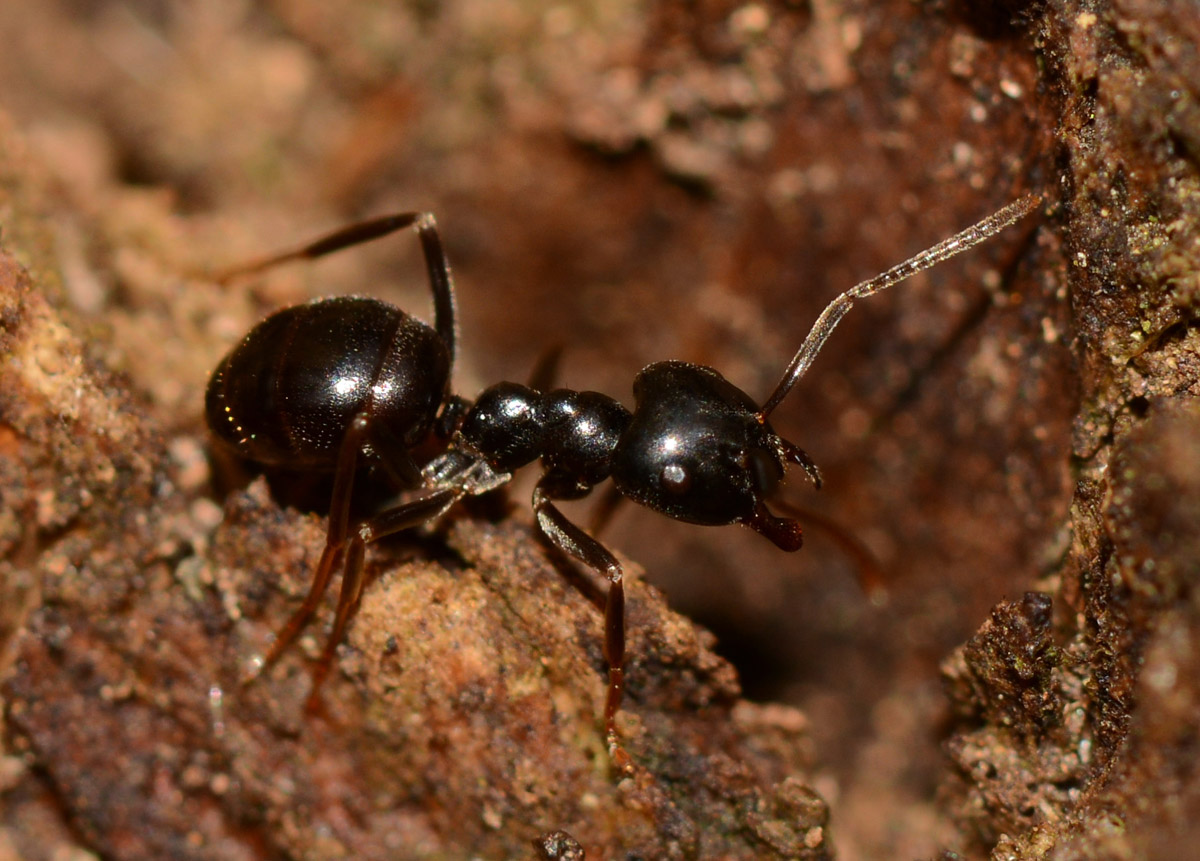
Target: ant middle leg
{"type": "Point", "coordinates": [573, 541]}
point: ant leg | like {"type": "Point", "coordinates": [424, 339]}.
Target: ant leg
{"type": "Point", "coordinates": [339, 520]}
{"type": "Point", "coordinates": [572, 540]}
{"type": "Point", "coordinates": [423, 509]}
{"type": "Point", "coordinates": [397, 463]}
{"type": "Point", "coordinates": [402, 471]}
{"type": "Point", "coordinates": [545, 369]}
{"type": "Point", "coordinates": [440, 279]}
{"type": "Point", "coordinates": [450, 419]}
{"type": "Point", "coordinates": [352, 577]}
{"type": "Point", "coordinates": [389, 522]}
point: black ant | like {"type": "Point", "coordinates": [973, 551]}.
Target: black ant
{"type": "Point", "coordinates": [339, 384]}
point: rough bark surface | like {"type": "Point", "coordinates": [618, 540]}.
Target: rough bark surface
{"type": "Point", "coordinates": [1013, 435]}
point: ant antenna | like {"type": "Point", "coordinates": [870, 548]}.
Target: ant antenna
{"type": "Point", "coordinates": [837, 309]}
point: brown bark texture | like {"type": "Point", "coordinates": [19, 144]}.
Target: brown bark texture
{"type": "Point", "coordinates": [1014, 436]}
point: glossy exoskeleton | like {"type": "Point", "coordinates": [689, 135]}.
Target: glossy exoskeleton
{"type": "Point", "coordinates": [341, 383]}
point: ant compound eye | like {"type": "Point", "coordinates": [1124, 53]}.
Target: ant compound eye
{"type": "Point", "coordinates": [675, 479]}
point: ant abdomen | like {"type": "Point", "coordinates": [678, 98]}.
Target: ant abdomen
{"type": "Point", "coordinates": [286, 394]}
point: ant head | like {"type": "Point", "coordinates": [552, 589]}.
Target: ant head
{"type": "Point", "coordinates": [700, 450]}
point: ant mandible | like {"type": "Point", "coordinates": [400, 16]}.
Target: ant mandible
{"type": "Point", "coordinates": [339, 384]}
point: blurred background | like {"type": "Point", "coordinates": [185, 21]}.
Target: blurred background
{"type": "Point", "coordinates": [632, 181]}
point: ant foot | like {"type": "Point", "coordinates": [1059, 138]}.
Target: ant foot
{"type": "Point", "coordinates": [620, 758]}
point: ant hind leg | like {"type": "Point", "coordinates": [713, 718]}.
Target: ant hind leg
{"type": "Point", "coordinates": [440, 279]}
{"type": "Point", "coordinates": [335, 539]}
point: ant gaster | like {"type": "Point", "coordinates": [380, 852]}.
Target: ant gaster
{"type": "Point", "coordinates": [339, 384]}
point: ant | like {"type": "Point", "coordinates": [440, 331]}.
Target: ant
{"type": "Point", "coordinates": [338, 384]}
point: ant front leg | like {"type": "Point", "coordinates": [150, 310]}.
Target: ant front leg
{"type": "Point", "coordinates": [573, 541]}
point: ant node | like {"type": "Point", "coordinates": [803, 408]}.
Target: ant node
{"type": "Point", "coordinates": [339, 384]}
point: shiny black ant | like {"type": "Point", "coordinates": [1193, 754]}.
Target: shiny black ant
{"type": "Point", "coordinates": [339, 384]}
